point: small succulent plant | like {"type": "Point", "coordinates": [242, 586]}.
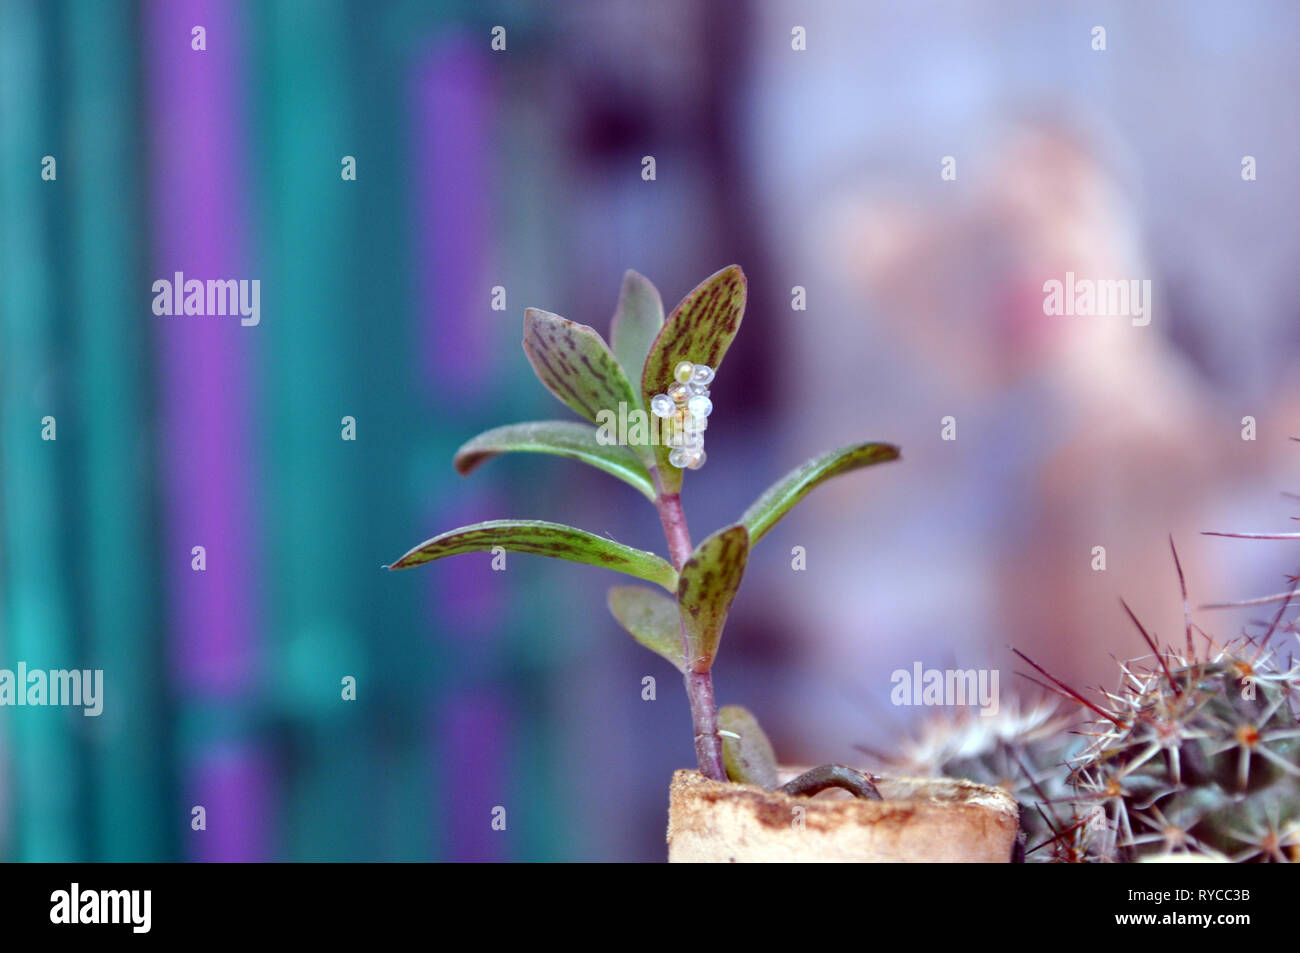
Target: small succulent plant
{"type": "Point", "coordinates": [646, 397]}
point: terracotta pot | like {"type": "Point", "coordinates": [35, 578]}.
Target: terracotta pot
{"type": "Point", "coordinates": [926, 820]}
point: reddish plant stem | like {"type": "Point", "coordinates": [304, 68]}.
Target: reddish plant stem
{"type": "Point", "coordinates": [674, 520]}
{"type": "Point", "coordinates": [704, 716]}
{"type": "Point", "coordinates": [699, 683]}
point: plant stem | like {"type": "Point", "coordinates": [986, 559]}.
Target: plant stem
{"type": "Point", "coordinates": [699, 684]}
{"type": "Point", "coordinates": [704, 717]}
{"type": "Point", "coordinates": [674, 520]}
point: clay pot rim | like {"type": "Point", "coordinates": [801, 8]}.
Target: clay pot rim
{"type": "Point", "coordinates": [900, 794]}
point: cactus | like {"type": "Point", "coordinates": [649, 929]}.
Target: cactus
{"type": "Point", "coordinates": [1197, 752]}
{"type": "Point", "coordinates": [1199, 755]}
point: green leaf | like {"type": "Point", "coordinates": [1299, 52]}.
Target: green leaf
{"type": "Point", "coordinates": [566, 438]}
{"type": "Point", "coordinates": [636, 323]}
{"type": "Point", "coordinates": [699, 330]}
{"type": "Point", "coordinates": [705, 588]}
{"type": "Point", "coordinates": [781, 496]}
{"type": "Point", "coordinates": [651, 618]}
{"type": "Point", "coordinates": [575, 364]}
{"type": "Point", "coordinates": [750, 758]}
{"type": "Point", "coordinates": [543, 539]}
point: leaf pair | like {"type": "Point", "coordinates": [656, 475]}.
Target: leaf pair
{"type": "Point", "coordinates": [718, 562]}
{"type": "Point", "coordinates": [707, 583]}
{"type": "Point", "coordinates": [576, 365]}
{"type": "Point", "coordinates": [687, 631]}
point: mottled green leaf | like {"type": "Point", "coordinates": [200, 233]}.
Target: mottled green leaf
{"type": "Point", "coordinates": [749, 757]}
{"type": "Point", "coordinates": [543, 539]}
{"type": "Point", "coordinates": [699, 330]}
{"type": "Point", "coordinates": [651, 618]}
{"type": "Point", "coordinates": [705, 588]}
{"type": "Point", "coordinates": [566, 438]}
{"type": "Point", "coordinates": [781, 496]}
{"type": "Point", "coordinates": [575, 364]}
{"type": "Point", "coordinates": [636, 323]}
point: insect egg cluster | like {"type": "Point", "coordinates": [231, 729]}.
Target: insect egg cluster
{"type": "Point", "coordinates": [685, 410]}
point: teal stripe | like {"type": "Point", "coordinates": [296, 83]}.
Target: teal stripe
{"type": "Point", "coordinates": [111, 318]}
{"type": "Point", "coordinates": [35, 562]}
{"type": "Point", "coordinates": [310, 328]}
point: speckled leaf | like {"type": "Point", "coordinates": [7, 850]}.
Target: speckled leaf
{"type": "Point", "coordinates": [781, 496]}
{"type": "Point", "coordinates": [543, 539]}
{"type": "Point", "coordinates": [705, 588]}
{"type": "Point", "coordinates": [636, 323]}
{"type": "Point", "coordinates": [575, 364]}
{"type": "Point", "coordinates": [749, 758]}
{"type": "Point", "coordinates": [651, 618]}
{"type": "Point", "coordinates": [699, 330]}
{"type": "Point", "coordinates": [566, 438]}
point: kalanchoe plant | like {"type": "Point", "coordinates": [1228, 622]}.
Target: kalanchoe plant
{"type": "Point", "coordinates": [657, 371]}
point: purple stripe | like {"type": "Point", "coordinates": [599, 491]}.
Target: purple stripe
{"type": "Point", "coordinates": [225, 781]}
{"type": "Point", "coordinates": [454, 112]}
{"type": "Point", "coordinates": [198, 199]}
{"type": "Point", "coordinates": [474, 728]}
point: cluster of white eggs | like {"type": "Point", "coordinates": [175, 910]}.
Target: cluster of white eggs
{"type": "Point", "coordinates": [685, 410]}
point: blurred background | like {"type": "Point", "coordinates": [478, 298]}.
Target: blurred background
{"type": "Point", "coordinates": [522, 168]}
